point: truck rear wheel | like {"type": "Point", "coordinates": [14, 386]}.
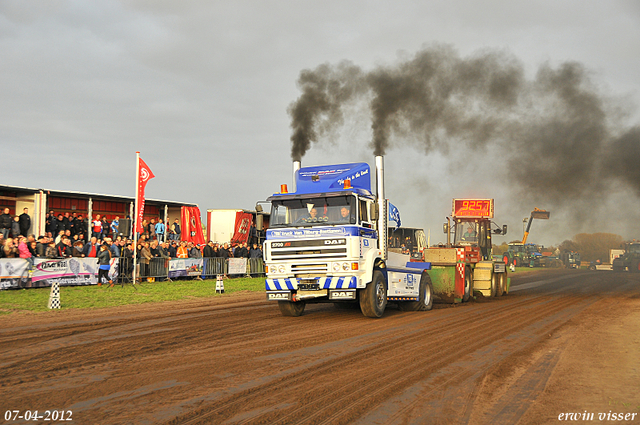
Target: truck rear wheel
{"type": "Point", "coordinates": [425, 298]}
{"type": "Point", "coordinates": [373, 298]}
{"type": "Point", "coordinates": [293, 309]}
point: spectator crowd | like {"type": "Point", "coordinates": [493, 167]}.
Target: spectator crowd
{"type": "Point", "coordinates": [66, 236]}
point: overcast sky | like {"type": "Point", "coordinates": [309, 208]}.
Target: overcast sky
{"type": "Point", "coordinates": [201, 89]}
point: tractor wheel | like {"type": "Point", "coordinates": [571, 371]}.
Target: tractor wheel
{"type": "Point", "coordinates": [502, 284]}
{"type": "Point", "coordinates": [517, 262]}
{"type": "Point", "coordinates": [468, 279]}
{"type": "Point", "coordinates": [373, 298]}
{"type": "Point", "coordinates": [293, 309]}
{"type": "Point", "coordinates": [425, 299]}
{"type": "Point", "coordinates": [506, 260]}
{"type": "Point", "coordinates": [636, 269]}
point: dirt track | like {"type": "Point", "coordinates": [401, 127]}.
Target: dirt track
{"type": "Point", "coordinates": [561, 341]}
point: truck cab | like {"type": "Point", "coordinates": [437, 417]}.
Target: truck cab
{"type": "Point", "coordinates": [327, 242]}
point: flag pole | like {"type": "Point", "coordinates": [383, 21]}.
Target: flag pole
{"type": "Point", "coordinates": [135, 226]}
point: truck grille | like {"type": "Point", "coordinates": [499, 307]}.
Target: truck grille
{"type": "Point", "coordinates": [316, 252]}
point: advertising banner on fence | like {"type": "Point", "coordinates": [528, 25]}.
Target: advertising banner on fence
{"type": "Point", "coordinates": [12, 270]}
{"type": "Point", "coordinates": [69, 271]}
{"type": "Point", "coordinates": [237, 266]}
{"type": "Point", "coordinates": [185, 267]}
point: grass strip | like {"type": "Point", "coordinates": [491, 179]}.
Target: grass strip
{"type": "Point", "coordinates": [37, 299]}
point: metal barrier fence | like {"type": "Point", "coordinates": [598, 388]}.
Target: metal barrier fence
{"type": "Point", "coordinates": [18, 273]}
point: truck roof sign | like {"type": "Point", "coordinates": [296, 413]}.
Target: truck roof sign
{"type": "Point", "coordinates": [330, 178]}
{"type": "Point", "coordinates": [473, 208]}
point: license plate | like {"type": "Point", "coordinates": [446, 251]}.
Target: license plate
{"type": "Point", "coordinates": [309, 286]}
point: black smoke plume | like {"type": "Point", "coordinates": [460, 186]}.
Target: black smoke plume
{"type": "Point", "coordinates": [554, 130]}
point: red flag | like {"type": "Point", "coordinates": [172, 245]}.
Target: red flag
{"type": "Point", "coordinates": [144, 175]}
{"type": "Point", "coordinates": [242, 227]}
{"type": "Point", "coordinates": [191, 225]}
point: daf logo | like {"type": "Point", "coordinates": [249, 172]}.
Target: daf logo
{"type": "Point", "coordinates": [278, 296]}
{"type": "Point", "coordinates": [334, 241]}
{"type": "Point", "coordinates": [345, 295]}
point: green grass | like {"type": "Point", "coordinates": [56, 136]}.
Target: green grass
{"type": "Point", "coordinates": [93, 296]}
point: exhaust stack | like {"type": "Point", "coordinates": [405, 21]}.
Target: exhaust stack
{"type": "Point", "coordinates": [296, 167]}
{"type": "Point", "coordinates": [382, 207]}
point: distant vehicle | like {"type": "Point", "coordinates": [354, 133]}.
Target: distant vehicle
{"type": "Point", "coordinates": [630, 260]}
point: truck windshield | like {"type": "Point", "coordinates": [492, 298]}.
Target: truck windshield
{"type": "Point", "coordinates": [310, 212]}
{"type": "Point", "coordinates": [466, 233]}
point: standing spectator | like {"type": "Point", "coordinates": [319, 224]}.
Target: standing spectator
{"type": "Point", "coordinates": [105, 227]}
{"type": "Point", "coordinates": [60, 226]}
{"type": "Point", "coordinates": [173, 250]}
{"type": "Point", "coordinates": [96, 228]}
{"type": "Point", "coordinates": [160, 230]}
{"type": "Point", "coordinates": [62, 248]}
{"type": "Point", "coordinates": [104, 259]}
{"type": "Point", "coordinates": [225, 252]}
{"type": "Point", "coordinates": [175, 227]}
{"type": "Point", "coordinates": [25, 222]}
{"type": "Point", "coordinates": [91, 249]}
{"type": "Point", "coordinates": [152, 229]}
{"type": "Point", "coordinates": [145, 258]}
{"type": "Point", "coordinates": [194, 251]}
{"type": "Point", "coordinates": [50, 223]}
{"type": "Point", "coordinates": [73, 224]}
{"type": "Point", "coordinates": [77, 249]}
{"type": "Point", "coordinates": [255, 252]}
{"type": "Point", "coordinates": [115, 226]}
{"type": "Point", "coordinates": [153, 247]}
{"type": "Point", "coordinates": [41, 246]}
{"type": "Point", "coordinates": [51, 249]}
{"type": "Point", "coordinates": [113, 247]}
{"type": "Point", "coordinates": [182, 251]}
{"type": "Point", "coordinates": [83, 226]}
{"type": "Point", "coordinates": [15, 227]}
{"type": "Point", "coordinates": [5, 223]}
{"type": "Point", "coordinates": [208, 251]}
{"type": "Point", "coordinates": [163, 249]}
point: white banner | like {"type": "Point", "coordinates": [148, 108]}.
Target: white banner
{"type": "Point", "coordinates": [13, 272]}
{"type": "Point", "coordinates": [237, 266]}
{"type": "Point", "coordinates": [69, 271]}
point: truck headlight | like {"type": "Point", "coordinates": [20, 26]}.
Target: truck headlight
{"type": "Point", "coordinates": [346, 267]}
{"type": "Point", "coordinates": [281, 269]}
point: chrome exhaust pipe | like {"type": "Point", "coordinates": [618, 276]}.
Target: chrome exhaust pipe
{"type": "Point", "coordinates": [382, 207]}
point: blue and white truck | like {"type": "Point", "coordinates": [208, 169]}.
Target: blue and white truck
{"type": "Point", "coordinates": [327, 242]}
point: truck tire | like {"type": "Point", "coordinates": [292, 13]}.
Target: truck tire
{"type": "Point", "coordinates": [291, 309]}
{"type": "Point", "coordinates": [467, 284]}
{"type": "Point", "coordinates": [373, 298]}
{"type": "Point", "coordinates": [425, 299]}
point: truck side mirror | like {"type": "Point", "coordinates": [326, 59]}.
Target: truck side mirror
{"type": "Point", "coordinates": [375, 211]}
{"type": "Point", "coordinates": [504, 229]}
{"type": "Point", "coordinates": [259, 223]}
{"type": "Point", "coordinates": [445, 228]}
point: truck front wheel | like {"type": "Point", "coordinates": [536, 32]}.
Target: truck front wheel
{"type": "Point", "coordinates": [288, 308]}
{"type": "Point", "coordinates": [373, 298]}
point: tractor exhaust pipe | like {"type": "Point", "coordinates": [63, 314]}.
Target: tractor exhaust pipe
{"type": "Point", "coordinates": [382, 207]}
